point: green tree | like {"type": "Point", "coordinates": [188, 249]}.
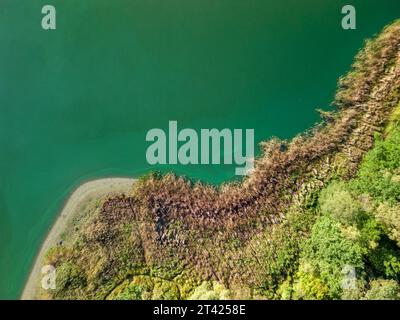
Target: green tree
{"type": "Point", "coordinates": [328, 252]}
{"type": "Point", "coordinates": [337, 201]}
{"type": "Point", "coordinates": [389, 216]}
{"type": "Point", "coordinates": [383, 290]}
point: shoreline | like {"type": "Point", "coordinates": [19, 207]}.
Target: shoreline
{"type": "Point", "coordinates": [81, 199]}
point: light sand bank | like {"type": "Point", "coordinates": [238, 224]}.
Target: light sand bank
{"type": "Point", "coordinates": [82, 200]}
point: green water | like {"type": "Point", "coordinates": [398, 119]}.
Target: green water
{"type": "Point", "coordinates": [76, 103]}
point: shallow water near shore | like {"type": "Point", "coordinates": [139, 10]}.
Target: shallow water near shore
{"type": "Point", "coordinates": [76, 103]}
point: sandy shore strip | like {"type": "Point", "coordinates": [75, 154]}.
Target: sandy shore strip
{"type": "Point", "coordinates": [84, 197]}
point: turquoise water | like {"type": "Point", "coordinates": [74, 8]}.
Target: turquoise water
{"type": "Point", "coordinates": [76, 103]}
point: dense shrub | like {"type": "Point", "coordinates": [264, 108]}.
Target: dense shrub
{"type": "Point", "coordinates": [379, 172]}
{"type": "Point", "coordinates": [383, 290]}
{"type": "Point", "coordinates": [210, 291]}
{"type": "Point", "coordinates": [281, 249]}
{"type": "Point", "coordinates": [389, 216]}
{"type": "Point", "coordinates": [385, 260]}
{"type": "Point", "coordinates": [328, 252]}
{"type": "Point", "coordinates": [309, 286]}
{"type": "Point", "coordinates": [69, 278]}
{"type": "Point", "coordinates": [337, 201]}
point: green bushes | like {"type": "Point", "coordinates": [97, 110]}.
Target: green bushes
{"type": "Point", "coordinates": [145, 288]}
{"type": "Point", "coordinates": [280, 251]}
{"type": "Point", "coordinates": [384, 260]}
{"type": "Point", "coordinates": [210, 291]}
{"type": "Point", "coordinates": [358, 227]}
{"type": "Point", "coordinates": [379, 175]}
{"type": "Point", "coordinates": [389, 217]}
{"type": "Point", "coordinates": [69, 280]}
{"type": "Point", "coordinates": [131, 291]}
{"type": "Point", "coordinates": [327, 252]}
{"type": "Point", "coordinates": [309, 286]}
{"type": "Point", "coordinates": [381, 289]}
{"type": "Point", "coordinates": [337, 201]}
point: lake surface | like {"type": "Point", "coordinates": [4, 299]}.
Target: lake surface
{"type": "Point", "coordinates": [76, 103]}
